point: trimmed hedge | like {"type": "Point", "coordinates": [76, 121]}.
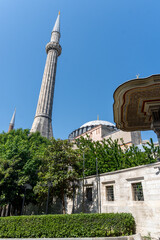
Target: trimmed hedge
{"type": "Point", "coordinates": [67, 226]}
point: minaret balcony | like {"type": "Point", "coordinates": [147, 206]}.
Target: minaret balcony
{"type": "Point", "coordinates": [53, 46]}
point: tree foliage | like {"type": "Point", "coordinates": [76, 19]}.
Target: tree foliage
{"type": "Point", "coordinates": [20, 157]}
{"type": "Point", "coordinates": [58, 170]}
{"type": "Point", "coordinates": [111, 156]}
{"type": "Point", "coordinates": [55, 164]}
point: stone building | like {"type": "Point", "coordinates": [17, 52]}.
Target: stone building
{"type": "Point", "coordinates": [98, 130]}
{"type": "Point", "coordinates": [134, 190]}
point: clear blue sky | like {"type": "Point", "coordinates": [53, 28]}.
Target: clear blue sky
{"type": "Point", "coordinates": [104, 43]}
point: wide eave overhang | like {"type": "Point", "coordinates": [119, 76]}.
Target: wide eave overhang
{"type": "Point", "coordinates": [133, 101]}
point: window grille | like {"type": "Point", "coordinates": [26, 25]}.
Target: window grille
{"type": "Point", "coordinates": [109, 193]}
{"type": "Point", "coordinates": [89, 194]}
{"type": "Point", "coordinates": [137, 191]}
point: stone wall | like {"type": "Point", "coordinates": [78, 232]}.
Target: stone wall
{"type": "Point", "coordinates": [133, 237]}
{"type": "Point", "coordinates": [126, 136]}
{"type": "Point", "coordinates": [134, 190]}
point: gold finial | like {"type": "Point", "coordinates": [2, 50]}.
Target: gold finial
{"type": "Point", "coordinates": [97, 117]}
{"type": "Point", "coordinates": [59, 12]}
{"type": "Point", "coordinates": [137, 75]}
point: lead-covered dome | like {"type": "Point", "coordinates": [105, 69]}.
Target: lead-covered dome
{"type": "Point", "coordinates": [96, 123]}
{"type": "Point", "coordinates": [108, 128]}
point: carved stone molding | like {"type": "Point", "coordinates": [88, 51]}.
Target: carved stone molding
{"type": "Point", "coordinates": [55, 46]}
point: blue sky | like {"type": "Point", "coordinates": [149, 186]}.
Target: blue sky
{"type": "Point", "coordinates": [104, 43]}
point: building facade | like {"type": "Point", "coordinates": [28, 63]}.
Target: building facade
{"type": "Point", "coordinates": [134, 190]}
{"type": "Point", "coordinates": [98, 130]}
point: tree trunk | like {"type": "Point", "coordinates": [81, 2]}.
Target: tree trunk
{"type": "Point", "coordinates": [63, 203]}
{"type": "Point", "coordinates": [11, 210]}
{"type": "Point", "coordinates": [3, 211]}
{"type": "Point", "coordinates": [7, 210]}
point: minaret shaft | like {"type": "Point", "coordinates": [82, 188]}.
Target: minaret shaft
{"type": "Point", "coordinates": [43, 118]}
{"type": "Point", "coordinates": [12, 122]}
{"type": "Point", "coordinates": [45, 102]}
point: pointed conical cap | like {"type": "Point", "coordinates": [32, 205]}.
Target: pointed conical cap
{"type": "Point", "coordinates": [56, 27]}
{"type": "Point", "coordinates": [13, 117]}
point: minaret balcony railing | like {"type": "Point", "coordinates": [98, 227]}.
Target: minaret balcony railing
{"type": "Point", "coordinates": [54, 46]}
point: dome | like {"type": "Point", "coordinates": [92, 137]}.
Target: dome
{"type": "Point", "coordinates": [96, 123]}
{"type": "Point", "coordinates": [108, 127]}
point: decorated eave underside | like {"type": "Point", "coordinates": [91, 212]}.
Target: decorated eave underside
{"type": "Point", "coordinates": [133, 101]}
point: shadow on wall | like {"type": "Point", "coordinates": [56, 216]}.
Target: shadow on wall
{"type": "Point", "coordinates": [54, 207]}
{"type": "Point", "coordinates": [85, 200]}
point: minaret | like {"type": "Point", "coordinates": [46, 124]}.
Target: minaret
{"type": "Point", "coordinates": [11, 125]}
{"type": "Point", "coordinates": [43, 118]}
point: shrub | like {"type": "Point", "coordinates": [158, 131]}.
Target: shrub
{"type": "Point", "coordinates": [65, 226]}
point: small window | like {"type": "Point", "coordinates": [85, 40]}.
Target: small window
{"type": "Point", "coordinates": [137, 191]}
{"type": "Point", "coordinates": [89, 194]}
{"type": "Point", "coordinates": [109, 193]}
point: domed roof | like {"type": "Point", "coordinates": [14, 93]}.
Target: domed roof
{"type": "Point", "coordinates": [97, 122]}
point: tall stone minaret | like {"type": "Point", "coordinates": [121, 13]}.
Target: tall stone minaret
{"type": "Point", "coordinates": [43, 118]}
{"type": "Point", "coordinates": [12, 122]}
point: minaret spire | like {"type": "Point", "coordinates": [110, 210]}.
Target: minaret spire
{"type": "Point", "coordinates": [56, 27]}
{"type": "Point", "coordinates": [55, 36]}
{"type": "Point", "coordinates": [43, 118]}
{"type": "Point", "coordinates": [12, 122]}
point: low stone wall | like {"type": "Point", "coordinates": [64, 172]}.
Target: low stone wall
{"type": "Point", "coordinates": [131, 237]}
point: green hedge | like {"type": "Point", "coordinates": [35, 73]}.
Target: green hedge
{"type": "Point", "coordinates": [65, 226]}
